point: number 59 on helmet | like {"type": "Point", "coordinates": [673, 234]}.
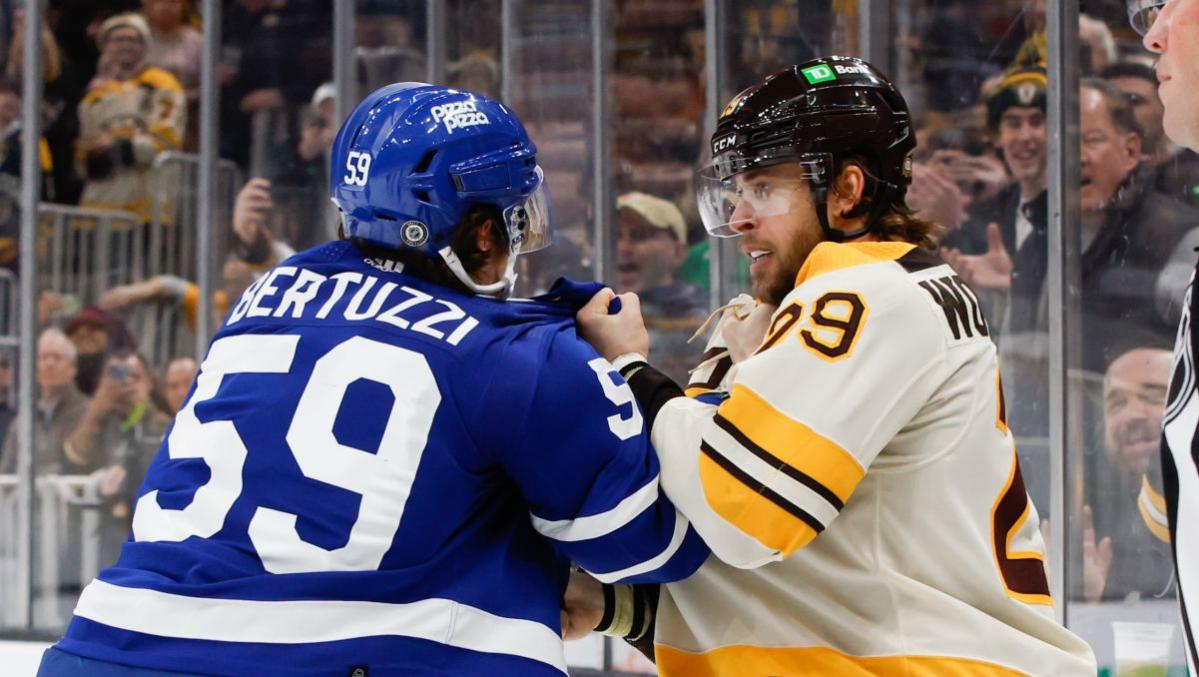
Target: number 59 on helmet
{"type": "Point", "coordinates": [413, 158]}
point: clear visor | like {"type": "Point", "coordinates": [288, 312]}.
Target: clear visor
{"type": "Point", "coordinates": [725, 204]}
{"type": "Point", "coordinates": [528, 222]}
{"type": "Point", "coordinates": [1142, 14]}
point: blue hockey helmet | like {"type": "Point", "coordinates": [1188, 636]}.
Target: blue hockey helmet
{"type": "Point", "coordinates": [413, 158]}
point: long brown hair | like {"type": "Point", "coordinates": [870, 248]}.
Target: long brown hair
{"type": "Point", "coordinates": [898, 222]}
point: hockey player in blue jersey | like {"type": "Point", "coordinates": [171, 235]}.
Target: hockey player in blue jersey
{"type": "Point", "coordinates": [383, 464]}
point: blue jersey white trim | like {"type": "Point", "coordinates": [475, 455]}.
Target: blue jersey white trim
{"type": "Point", "coordinates": [310, 621]}
{"type": "Point", "coordinates": [602, 524]}
{"type": "Point", "coordinates": [375, 471]}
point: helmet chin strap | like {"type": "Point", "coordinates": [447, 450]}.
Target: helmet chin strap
{"type": "Point", "coordinates": [496, 290]}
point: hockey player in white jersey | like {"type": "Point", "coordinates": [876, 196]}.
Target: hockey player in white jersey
{"type": "Point", "coordinates": [854, 476]}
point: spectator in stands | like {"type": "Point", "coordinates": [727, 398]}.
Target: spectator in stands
{"type": "Point", "coordinates": [236, 276]}
{"type": "Point", "coordinates": [122, 429]}
{"type": "Point", "coordinates": [122, 420]}
{"type": "Point", "coordinates": [1015, 220]}
{"type": "Point", "coordinates": [75, 23]}
{"type": "Point", "coordinates": [316, 136]}
{"type": "Point", "coordinates": [11, 138]}
{"type": "Point", "coordinates": [947, 183]}
{"type": "Point", "coordinates": [95, 333]}
{"type": "Point", "coordinates": [177, 380]}
{"type": "Point", "coordinates": [1122, 557]}
{"type": "Point", "coordinates": [254, 243]}
{"type": "Point", "coordinates": [1098, 45]}
{"type": "Point", "coordinates": [1139, 84]}
{"type": "Point", "coordinates": [275, 53]}
{"type": "Point", "coordinates": [255, 250]}
{"type": "Point", "coordinates": [1177, 168]}
{"type": "Point", "coordinates": [62, 89]}
{"type": "Point", "coordinates": [176, 46]}
{"type": "Point", "coordinates": [651, 246]}
{"type": "Point", "coordinates": [59, 409]}
{"type": "Point", "coordinates": [1130, 232]}
{"type": "Point", "coordinates": [303, 215]}
{"type": "Point", "coordinates": [131, 113]}
{"type": "Point", "coordinates": [52, 59]}
{"type": "Point", "coordinates": [1130, 235]}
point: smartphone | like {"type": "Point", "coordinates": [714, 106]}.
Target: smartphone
{"type": "Point", "coordinates": [119, 371]}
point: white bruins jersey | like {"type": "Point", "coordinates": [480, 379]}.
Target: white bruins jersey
{"type": "Point", "coordinates": [860, 490]}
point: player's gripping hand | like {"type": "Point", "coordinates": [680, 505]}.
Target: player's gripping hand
{"type": "Point", "coordinates": [744, 332]}
{"type": "Point", "coordinates": [582, 606]}
{"type": "Point", "coordinates": [614, 333]}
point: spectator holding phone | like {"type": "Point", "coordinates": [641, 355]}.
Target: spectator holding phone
{"type": "Point", "coordinates": [121, 422]}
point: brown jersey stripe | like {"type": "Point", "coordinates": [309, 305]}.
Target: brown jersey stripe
{"type": "Point", "coordinates": [778, 463]}
{"type": "Point", "coordinates": [765, 491]}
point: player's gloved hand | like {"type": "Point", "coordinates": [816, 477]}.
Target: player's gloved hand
{"type": "Point", "coordinates": [582, 606]}
{"type": "Point", "coordinates": [614, 333]}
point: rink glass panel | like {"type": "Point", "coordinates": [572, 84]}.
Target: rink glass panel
{"type": "Point", "coordinates": [658, 105]}
{"type": "Point", "coordinates": [1136, 245]}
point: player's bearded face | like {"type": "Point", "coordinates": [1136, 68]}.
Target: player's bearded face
{"type": "Point", "coordinates": [778, 245]}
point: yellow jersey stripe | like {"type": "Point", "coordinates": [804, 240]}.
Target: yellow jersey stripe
{"type": "Point", "coordinates": [777, 463]}
{"type": "Point", "coordinates": [792, 442]}
{"type": "Point", "coordinates": [1155, 499]}
{"type": "Point", "coordinates": [828, 257]}
{"type": "Point", "coordinates": [756, 511]}
{"type": "Point", "coordinates": [1161, 533]}
{"type": "Point", "coordinates": [1152, 507]}
{"type": "Point", "coordinates": [754, 660]}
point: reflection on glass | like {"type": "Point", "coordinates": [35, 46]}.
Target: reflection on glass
{"type": "Point", "coordinates": [1136, 240]}
{"type": "Point", "coordinates": [550, 89]}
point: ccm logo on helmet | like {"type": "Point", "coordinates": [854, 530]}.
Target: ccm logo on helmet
{"type": "Point", "coordinates": [458, 115]}
{"type": "Point", "coordinates": [723, 143]}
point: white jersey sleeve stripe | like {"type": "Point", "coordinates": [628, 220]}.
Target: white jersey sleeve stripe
{"type": "Point", "coordinates": [765, 476]}
{"type": "Point", "coordinates": [601, 524]}
{"type": "Point", "coordinates": [680, 532]}
{"type": "Point", "coordinates": [677, 437]}
{"type": "Point", "coordinates": [310, 621]}
{"type": "Point", "coordinates": [777, 465]}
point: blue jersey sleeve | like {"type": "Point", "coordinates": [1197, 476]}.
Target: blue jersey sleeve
{"type": "Point", "coordinates": [583, 461]}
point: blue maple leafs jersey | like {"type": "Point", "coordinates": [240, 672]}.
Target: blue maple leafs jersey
{"type": "Point", "coordinates": [374, 471]}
